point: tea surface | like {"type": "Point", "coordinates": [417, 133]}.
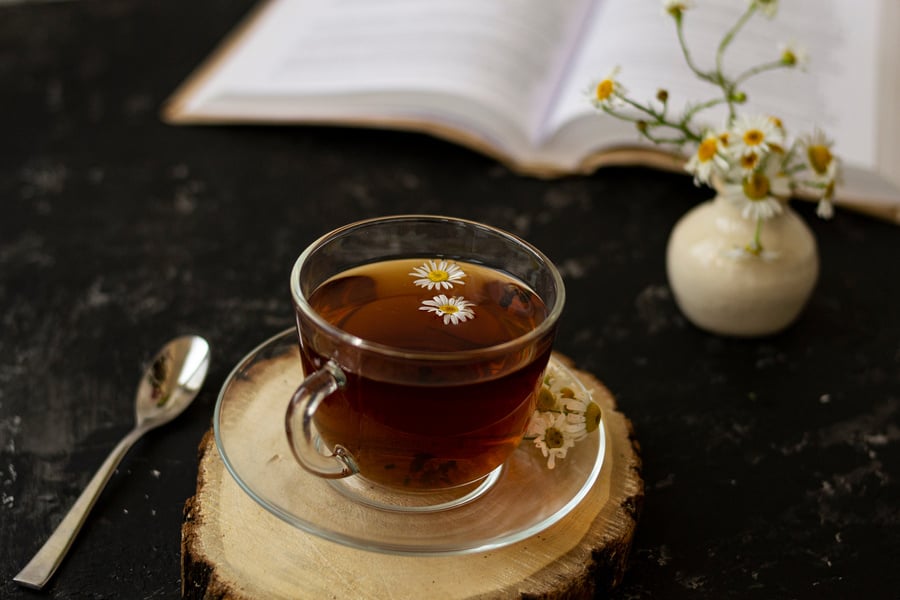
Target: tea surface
{"type": "Point", "coordinates": [390, 303]}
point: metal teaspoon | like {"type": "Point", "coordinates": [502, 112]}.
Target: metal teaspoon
{"type": "Point", "coordinates": [169, 384]}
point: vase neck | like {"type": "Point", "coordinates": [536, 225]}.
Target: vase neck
{"type": "Point", "coordinates": [732, 208]}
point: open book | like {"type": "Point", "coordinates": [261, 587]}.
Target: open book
{"type": "Point", "coordinates": [509, 77]}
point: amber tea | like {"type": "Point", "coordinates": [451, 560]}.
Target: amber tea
{"type": "Point", "coordinates": [441, 418]}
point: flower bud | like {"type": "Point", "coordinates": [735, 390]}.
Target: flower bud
{"type": "Point", "coordinates": [662, 95]}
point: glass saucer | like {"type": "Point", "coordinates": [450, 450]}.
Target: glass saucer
{"type": "Point", "coordinates": [249, 429]}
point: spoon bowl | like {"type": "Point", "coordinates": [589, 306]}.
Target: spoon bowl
{"type": "Point", "coordinates": [169, 384]}
{"type": "Point", "coordinates": [171, 381]}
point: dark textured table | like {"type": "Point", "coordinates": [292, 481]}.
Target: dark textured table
{"type": "Point", "coordinates": [772, 466]}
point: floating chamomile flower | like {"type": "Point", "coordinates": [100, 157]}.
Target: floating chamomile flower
{"type": "Point", "coordinates": [454, 310]}
{"type": "Point", "coordinates": [440, 275]}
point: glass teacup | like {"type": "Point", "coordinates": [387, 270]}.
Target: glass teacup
{"type": "Point", "coordinates": [424, 340]}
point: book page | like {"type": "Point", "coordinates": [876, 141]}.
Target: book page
{"type": "Point", "coordinates": [888, 153]}
{"type": "Point", "coordinates": [302, 59]}
{"type": "Point", "coordinates": [836, 91]}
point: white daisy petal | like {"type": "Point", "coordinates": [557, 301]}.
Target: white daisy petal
{"type": "Point", "coordinates": [606, 92]}
{"type": "Point", "coordinates": [756, 134]}
{"type": "Point", "coordinates": [453, 310]}
{"type": "Point", "coordinates": [438, 275]}
{"type": "Point", "coordinates": [555, 439]}
{"type": "Point", "coordinates": [708, 160]}
{"type": "Point", "coordinates": [825, 209]}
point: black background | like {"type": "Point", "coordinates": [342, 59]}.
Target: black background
{"type": "Point", "coordinates": [771, 466]}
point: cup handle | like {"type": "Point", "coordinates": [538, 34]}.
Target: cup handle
{"type": "Point", "coordinates": [298, 422]}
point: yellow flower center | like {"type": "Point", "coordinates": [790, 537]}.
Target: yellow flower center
{"type": "Point", "coordinates": [777, 122]}
{"type": "Point", "coordinates": [438, 276]}
{"type": "Point", "coordinates": [554, 438]}
{"type": "Point", "coordinates": [707, 149]}
{"type": "Point", "coordinates": [449, 309]}
{"type": "Point", "coordinates": [605, 89]}
{"type": "Point", "coordinates": [819, 157]}
{"type": "Point", "coordinates": [753, 137]}
{"type": "Point", "coordinates": [756, 186]}
{"type": "Point", "coordinates": [545, 400]}
{"type": "Point", "coordinates": [749, 161]}
{"type": "Point", "coordinates": [676, 9]}
{"type": "Point", "coordinates": [592, 417]}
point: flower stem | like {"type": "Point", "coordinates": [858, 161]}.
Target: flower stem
{"type": "Point", "coordinates": [770, 66]}
{"type": "Point", "coordinates": [679, 30]}
{"type": "Point", "coordinates": [621, 116]}
{"type": "Point", "coordinates": [720, 80]}
{"type": "Point", "coordinates": [644, 109]}
{"type": "Point", "coordinates": [756, 246]}
{"type": "Point", "coordinates": [689, 114]}
{"type": "Point", "coordinates": [657, 119]}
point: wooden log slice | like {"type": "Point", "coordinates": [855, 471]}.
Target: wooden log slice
{"type": "Point", "coordinates": [233, 548]}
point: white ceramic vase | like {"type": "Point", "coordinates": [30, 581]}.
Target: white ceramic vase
{"type": "Point", "coordinates": [728, 291]}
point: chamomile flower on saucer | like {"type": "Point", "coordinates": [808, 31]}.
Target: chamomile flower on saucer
{"type": "Point", "coordinates": [562, 416]}
{"type": "Point", "coordinates": [440, 275]}
{"type": "Point", "coordinates": [582, 414]}
{"type": "Point", "coordinates": [537, 426]}
{"type": "Point", "coordinates": [555, 435]}
{"type": "Point", "coordinates": [454, 310]}
{"type": "Point", "coordinates": [586, 414]}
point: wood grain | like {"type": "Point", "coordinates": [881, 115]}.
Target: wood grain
{"type": "Point", "coordinates": [232, 548]}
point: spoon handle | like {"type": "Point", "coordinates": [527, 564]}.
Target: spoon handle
{"type": "Point", "coordinates": [40, 569]}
